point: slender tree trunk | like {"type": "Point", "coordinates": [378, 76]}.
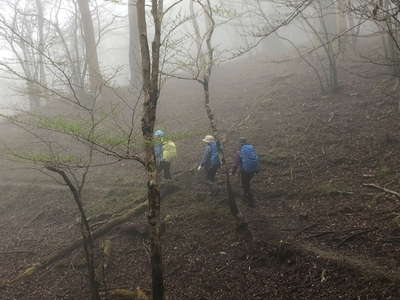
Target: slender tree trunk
{"type": "Point", "coordinates": [34, 99]}
{"type": "Point", "coordinates": [29, 60]}
{"type": "Point", "coordinates": [88, 243]}
{"type": "Point", "coordinates": [42, 73]}
{"type": "Point", "coordinates": [95, 77]}
{"type": "Point", "coordinates": [341, 24]}
{"type": "Point", "coordinates": [78, 51]}
{"type": "Point", "coordinates": [207, 62]}
{"type": "Point", "coordinates": [88, 246]}
{"type": "Point", "coordinates": [386, 44]}
{"type": "Point", "coordinates": [394, 49]}
{"type": "Point", "coordinates": [328, 33]}
{"type": "Point", "coordinates": [134, 49]}
{"type": "Point", "coordinates": [207, 106]}
{"type": "Point", "coordinates": [150, 78]}
{"type": "Point", "coordinates": [354, 31]}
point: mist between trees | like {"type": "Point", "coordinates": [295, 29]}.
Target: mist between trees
{"type": "Point", "coordinates": [84, 79]}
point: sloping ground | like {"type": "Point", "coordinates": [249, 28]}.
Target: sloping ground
{"type": "Point", "coordinates": [319, 233]}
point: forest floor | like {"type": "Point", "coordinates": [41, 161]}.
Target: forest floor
{"type": "Point", "coordinates": [319, 232]}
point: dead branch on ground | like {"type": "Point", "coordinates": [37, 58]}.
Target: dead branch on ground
{"type": "Point", "coordinates": [375, 186]}
{"type": "Point", "coordinates": [319, 234]}
{"type": "Point", "coordinates": [354, 235]}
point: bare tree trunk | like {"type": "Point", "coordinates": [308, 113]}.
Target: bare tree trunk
{"type": "Point", "coordinates": [394, 48]}
{"type": "Point", "coordinates": [80, 65]}
{"type": "Point", "coordinates": [134, 49]}
{"type": "Point", "coordinates": [88, 242]}
{"type": "Point", "coordinates": [207, 106]}
{"type": "Point", "coordinates": [354, 31]}
{"type": "Point", "coordinates": [95, 77]}
{"type": "Point", "coordinates": [42, 74]}
{"type": "Point", "coordinates": [29, 61]}
{"type": "Point", "coordinates": [326, 40]}
{"type": "Point", "coordinates": [329, 49]}
{"type": "Point", "coordinates": [88, 246]}
{"type": "Point", "coordinates": [341, 24]}
{"type": "Point", "coordinates": [150, 77]}
{"type": "Point", "coordinates": [33, 96]}
{"type": "Point", "coordinates": [386, 44]}
{"type": "Point", "coordinates": [206, 65]}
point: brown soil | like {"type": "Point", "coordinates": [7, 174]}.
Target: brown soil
{"type": "Point", "coordinates": [319, 233]}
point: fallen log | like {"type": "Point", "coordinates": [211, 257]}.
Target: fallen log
{"type": "Point", "coordinates": [113, 222]}
{"type": "Point", "coordinates": [78, 243]}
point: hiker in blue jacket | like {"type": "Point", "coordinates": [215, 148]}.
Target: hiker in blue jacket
{"type": "Point", "coordinates": [247, 160]}
{"type": "Point", "coordinates": [210, 161]}
{"type": "Point", "coordinates": [165, 152]}
{"type": "Point", "coordinates": [158, 148]}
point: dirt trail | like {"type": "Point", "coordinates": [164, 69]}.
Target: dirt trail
{"type": "Point", "coordinates": [312, 147]}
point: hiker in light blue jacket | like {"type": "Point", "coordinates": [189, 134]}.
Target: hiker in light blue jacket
{"type": "Point", "coordinates": [165, 152]}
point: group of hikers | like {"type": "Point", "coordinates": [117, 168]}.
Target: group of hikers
{"type": "Point", "coordinates": [246, 161]}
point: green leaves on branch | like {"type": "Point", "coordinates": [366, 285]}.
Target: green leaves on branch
{"type": "Point", "coordinates": [81, 130]}
{"type": "Point", "coordinates": [224, 12]}
{"type": "Point", "coordinates": [63, 125]}
{"type": "Point", "coordinates": [112, 140]}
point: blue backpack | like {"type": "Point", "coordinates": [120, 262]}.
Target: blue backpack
{"type": "Point", "coordinates": [249, 159]}
{"type": "Point", "coordinates": [214, 155]}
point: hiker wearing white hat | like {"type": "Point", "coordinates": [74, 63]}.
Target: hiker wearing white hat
{"type": "Point", "coordinates": [210, 161]}
{"type": "Point", "coordinates": [208, 139]}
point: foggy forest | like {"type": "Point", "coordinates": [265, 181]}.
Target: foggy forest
{"type": "Point", "coordinates": [199, 149]}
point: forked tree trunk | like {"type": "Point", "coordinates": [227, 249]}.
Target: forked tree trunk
{"type": "Point", "coordinates": [206, 64]}
{"type": "Point", "coordinates": [150, 78]}
{"type": "Point", "coordinates": [88, 241]}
